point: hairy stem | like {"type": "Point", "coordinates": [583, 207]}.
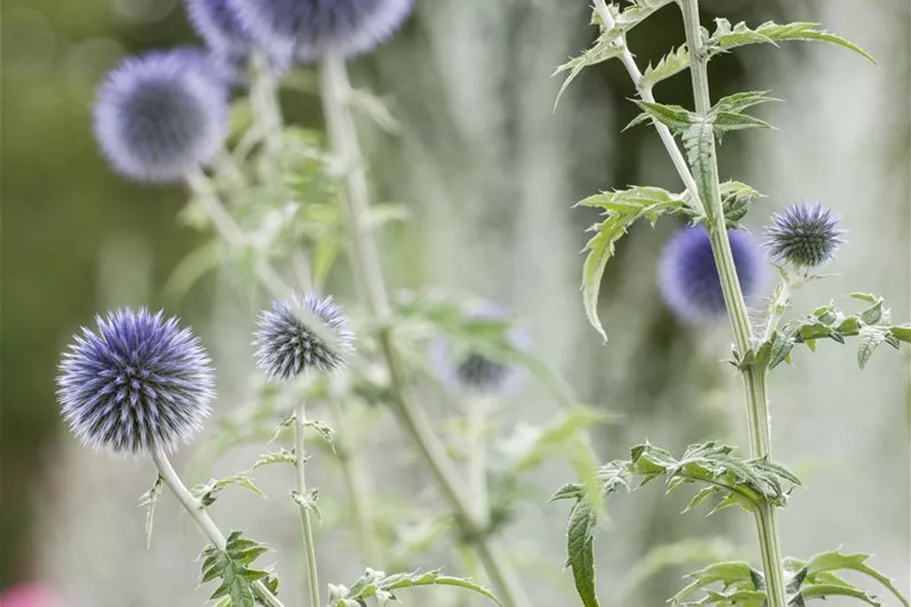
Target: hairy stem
{"type": "Point", "coordinates": [754, 376]}
{"type": "Point", "coordinates": [359, 491]}
{"type": "Point", "coordinates": [300, 419]}
{"type": "Point", "coordinates": [201, 517]}
{"type": "Point", "coordinates": [335, 90]}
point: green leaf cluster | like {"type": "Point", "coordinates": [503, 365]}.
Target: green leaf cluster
{"type": "Point", "coordinates": [382, 587]}
{"type": "Point", "coordinates": [871, 326]}
{"type": "Point", "coordinates": [728, 479]}
{"type": "Point", "coordinates": [736, 583]}
{"type": "Point", "coordinates": [232, 567]}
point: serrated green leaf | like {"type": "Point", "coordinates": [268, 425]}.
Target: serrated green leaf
{"type": "Point", "coordinates": [148, 501]}
{"type": "Point", "coordinates": [675, 117]}
{"type": "Point", "coordinates": [726, 37]}
{"type": "Point", "coordinates": [870, 339]}
{"type": "Point", "coordinates": [698, 141]}
{"type": "Point", "coordinates": [231, 567]}
{"type": "Point", "coordinates": [207, 493]}
{"type": "Point", "coordinates": [281, 456]}
{"type": "Point", "coordinates": [603, 50]}
{"type": "Point", "coordinates": [837, 561]}
{"type": "Point", "coordinates": [822, 591]}
{"type": "Point", "coordinates": [724, 122]}
{"type": "Point", "coordinates": [622, 208]}
{"type": "Point", "coordinates": [381, 586]}
{"type": "Point", "coordinates": [580, 554]}
{"type": "Point", "coordinates": [674, 62]}
{"type": "Point", "coordinates": [310, 501]}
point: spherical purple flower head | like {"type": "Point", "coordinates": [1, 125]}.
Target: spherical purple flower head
{"type": "Point", "coordinates": [137, 382]}
{"type": "Point", "coordinates": [216, 22]}
{"type": "Point", "coordinates": [473, 372]}
{"type": "Point", "coordinates": [688, 276]}
{"type": "Point", "coordinates": [159, 116]}
{"type": "Point", "coordinates": [804, 235]}
{"type": "Point", "coordinates": [308, 29]}
{"type": "Point", "coordinates": [286, 346]}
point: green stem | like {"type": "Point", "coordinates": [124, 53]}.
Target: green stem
{"type": "Point", "coordinates": [336, 89]}
{"type": "Point", "coordinates": [201, 516]}
{"type": "Point", "coordinates": [754, 376]}
{"type": "Point", "coordinates": [300, 418]}
{"type": "Point", "coordinates": [267, 112]}
{"type": "Point", "coordinates": [358, 489]}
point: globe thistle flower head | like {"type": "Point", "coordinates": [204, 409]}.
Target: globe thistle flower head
{"type": "Point", "coordinates": [159, 116]}
{"type": "Point", "coordinates": [688, 276]}
{"type": "Point", "coordinates": [137, 382]}
{"type": "Point", "coordinates": [309, 29]}
{"type": "Point", "coordinates": [217, 24]}
{"type": "Point", "coordinates": [470, 371]}
{"type": "Point", "coordinates": [286, 346]}
{"type": "Point", "coordinates": [805, 235]}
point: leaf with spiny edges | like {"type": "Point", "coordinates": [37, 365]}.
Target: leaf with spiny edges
{"type": "Point", "coordinates": [603, 50]}
{"type": "Point", "coordinates": [580, 553]}
{"type": "Point", "coordinates": [698, 141]}
{"type": "Point", "coordinates": [231, 566]}
{"type": "Point", "coordinates": [207, 493]}
{"type": "Point", "coordinates": [673, 63]}
{"type": "Point", "coordinates": [622, 208]}
{"type": "Point", "coordinates": [148, 501]}
{"type": "Point", "coordinates": [282, 456]}
{"type": "Point", "coordinates": [829, 562]}
{"type": "Point", "coordinates": [736, 200]}
{"type": "Point", "coordinates": [725, 37]}
{"type": "Point", "coordinates": [308, 501]}
{"type": "Point", "coordinates": [675, 117]}
{"type": "Point", "coordinates": [823, 591]}
{"type": "Point", "coordinates": [738, 102]}
{"type": "Point", "coordinates": [381, 586]}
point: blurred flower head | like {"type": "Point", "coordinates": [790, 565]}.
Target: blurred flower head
{"type": "Point", "coordinates": [804, 235]}
{"type": "Point", "coordinates": [286, 346]}
{"type": "Point", "coordinates": [161, 115]}
{"type": "Point", "coordinates": [216, 22]}
{"type": "Point", "coordinates": [688, 276]}
{"type": "Point", "coordinates": [137, 382]}
{"type": "Point", "coordinates": [27, 595]}
{"type": "Point", "coordinates": [308, 29]}
{"type": "Point", "coordinates": [471, 371]}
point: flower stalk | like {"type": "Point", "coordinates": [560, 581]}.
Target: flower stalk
{"type": "Point", "coordinates": [201, 516]}
{"type": "Point", "coordinates": [300, 419]}
{"type": "Point", "coordinates": [335, 90]}
{"type": "Point", "coordinates": [754, 376]}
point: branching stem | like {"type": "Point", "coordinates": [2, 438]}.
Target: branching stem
{"type": "Point", "coordinates": [335, 90]}
{"type": "Point", "coordinates": [201, 516]}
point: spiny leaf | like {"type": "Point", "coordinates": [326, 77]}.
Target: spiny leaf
{"type": "Point", "coordinates": [207, 493]}
{"type": "Point", "coordinates": [622, 208]}
{"type": "Point", "coordinates": [603, 49]}
{"type": "Point", "coordinates": [231, 566]}
{"type": "Point", "coordinates": [580, 554]}
{"type": "Point", "coordinates": [674, 117]}
{"type": "Point", "coordinates": [725, 37]}
{"type": "Point", "coordinates": [309, 501]}
{"type": "Point", "coordinates": [673, 63]}
{"type": "Point", "coordinates": [148, 501]}
{"type": "Point", "coordinates": [381, 586]}
{"type": "Point", "coordinates": [838, 561]}
{"type": "Point", "coordinates": [276, 457]}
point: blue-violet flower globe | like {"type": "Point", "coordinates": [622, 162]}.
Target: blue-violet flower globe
{"type": "Point", "coordinates": [688, 276]}
{"type": "Point", "coordinates": [138, 382]}
{"type": "Point", "coordinates": [804, 235]}
{"type": "Point", "coordinates": [309, 29]}
{"type": "Point", "coordinates": [469, 371]}
{"type": "Point", "coordinates": [286, 346]}
{"type": "Point", "coordinates": [160, 116]}
{"type": "Point", "coordinates": [217, 23]}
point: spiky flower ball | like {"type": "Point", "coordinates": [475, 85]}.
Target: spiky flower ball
{"type": "Point", "coordinates": [160, 116]}
{"type": "Point", "coordinates": [308, 29]}
{"type": "Point", "coordinates": [216, 22]}
{"type": "Point", "coordinates": [138, 381]}
{"type": "Point", "coordinates": [470, 371]}
{"type": "Point", "coordinates": [804, 235]}
{"type": "Point", "coordinates": [688, 276]}
{"type": "Point", "coordinates": [287, 346]}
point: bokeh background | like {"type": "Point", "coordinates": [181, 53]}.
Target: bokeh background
{"type": "Point", "coordinates": [489, 172]}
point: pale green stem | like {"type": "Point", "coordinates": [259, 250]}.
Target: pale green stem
{"type": "Point", "coordinates": [478, 406]}
{"type": "Point", "coordinates": [266, 110]}
{"type": "Point", "coordinates": [201, 516]}
{"type": "Point", "coordinates": [300, 419]}
{"type": "Point", "coordinates": [359, 491]}
{"type": "Point", "coordinates": [335, 92]}
{"type": "Point", "coordinates": [754, 376]}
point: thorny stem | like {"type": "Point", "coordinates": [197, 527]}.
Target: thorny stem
{"type": "Point", "coordinates": [336, 89]}
{"type": "Point", "coordinates": [300, 419]}
{"type": "Point", "coordinates": [358, 489]}
{"type": "Point", "coordinates": [754, 376]}
{"type": "Point", "coordinates": [201, 516]}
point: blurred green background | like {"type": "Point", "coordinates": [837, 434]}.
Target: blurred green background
{"type": "Point", "coordinates": [490, 173]}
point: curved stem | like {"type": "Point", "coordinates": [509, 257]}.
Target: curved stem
{"type": "Point", "coordinates": [335, 90]}
{"type": "Point", "coordinates": [201, 516]}
{"type": "Point", "coordinates": [754, 376]}
{"type": "Point", "coordinates": [300, 418]}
